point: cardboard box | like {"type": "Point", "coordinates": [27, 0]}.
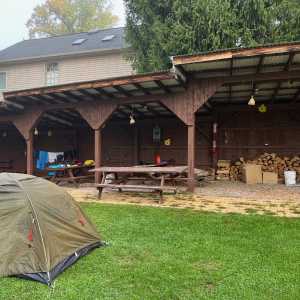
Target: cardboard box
{"type": "Point", "coordinates": [252, 174]}
{"type": "Point", "coordinates": [270, 178]}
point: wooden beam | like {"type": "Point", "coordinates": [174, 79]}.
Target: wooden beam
{"type": "Point", "coordinates": [136, 145]}
{"type": "Point", "coordinates": [184, 105]}
{"type": "Point", "coordinates": [98, 153]}
{"type": "Point", "coordinates": [270, 76]}
{"type": "Point", "coordinates": [96, 113]}
{"type": "Point", "coordinates": [13, 104]}
{"type": "Point", "coordinates": [191, 155]}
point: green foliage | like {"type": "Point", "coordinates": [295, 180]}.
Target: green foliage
{"type": "Point", "coordinates": [68, 16]}
{"type": "Point", "coordinates": [160, 253]}
{"type": "Point", "coordinates": [157, 29]}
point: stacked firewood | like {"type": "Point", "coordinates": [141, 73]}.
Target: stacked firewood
{"type": "Point", "coordinates": [223, 170]}
{"type": "Point", "coordinates": [270, 162]}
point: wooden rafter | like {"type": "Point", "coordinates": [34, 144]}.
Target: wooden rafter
{"type": "Point", "coordinates": [133, 110]}
{"type": "Point", "coordinates": [152, 110]}
{"type": "Point", "coordinates": [63, 99]}
{"type": "Point", "coordinates": [122, 91]}
{"type": "Point", "coordinates": [162, 86]}
{"type": "Point", "coordinates": [57, 119]}
{"type": "Point", "coordinates": [258, 70]}
{"type": "Point", "coordinates": [75, 97]}
{"type": "Point", "coordinates": [105, 94]}
{"type": "Point", "coordinates": [286, 68]}
{"type": "Point", "coordinates": [141, 88]}
{"type": "Point", "coordinates": [89, 95]}
{"type": "Point", "coordinates": [296, 97]}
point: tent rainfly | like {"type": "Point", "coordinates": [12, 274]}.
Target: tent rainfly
{"type": "Point", "coordinates": [43, 230]}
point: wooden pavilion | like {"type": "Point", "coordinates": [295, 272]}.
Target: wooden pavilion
{"type": "Point", "coordinates": [201, 107]}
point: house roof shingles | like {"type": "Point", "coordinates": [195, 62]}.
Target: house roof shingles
{"type": "Point", "coordinates": [63, 45]}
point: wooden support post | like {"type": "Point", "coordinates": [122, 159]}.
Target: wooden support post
{"type": "Point", "coordinates": [136, 150]}
{"type": "Point", "coordinates": [29, 153]}
{"type": "Point", "coordinates": [214, 145]}
{"type": "Point", "coordinates": [98, 153]}
{"type": "Point", "coordinates": [25, 123]}
{"type": "Point", "coordinates": [191, 155]}
{"type": "Point", "coordinates": [96, 114]}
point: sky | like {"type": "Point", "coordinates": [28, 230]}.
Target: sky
{"type": "Point", "coordinates": [15, 13]}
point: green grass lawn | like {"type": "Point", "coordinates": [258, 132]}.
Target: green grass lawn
{"type": "Point", "coordinates": [178, 254]}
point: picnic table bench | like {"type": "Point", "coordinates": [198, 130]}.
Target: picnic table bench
{"type": "Point", "coordinates": [160, 174]}
{"type": "Point", "coordinates": [68, 174]}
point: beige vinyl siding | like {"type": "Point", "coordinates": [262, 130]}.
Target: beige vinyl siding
{"type": "Point", "coordinates": [31, 75]}
{"type": "Point", "coordinates": [23, 76]}
{"type": "Point", "coordinates": [91, 68]}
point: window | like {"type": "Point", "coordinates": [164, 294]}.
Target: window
{"type": "Point", "coordinates": [52, 74]}
{"type": "Point", "coordinates": [2, 80]}
{"type": "Point", "coordinates": [108, 38]}
{"type": "Point", "coordinates": [78, 42]}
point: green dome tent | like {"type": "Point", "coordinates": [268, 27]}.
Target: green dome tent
{"type": "Point", "coordinates": [43, 230]}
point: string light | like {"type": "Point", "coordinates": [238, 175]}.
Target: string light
{"type": "Point", "coordinates": [131, 119]}
{"type": "Point", "coordinates": [36, 132]}
{"type": "Point", "coordinates": [251, 101]}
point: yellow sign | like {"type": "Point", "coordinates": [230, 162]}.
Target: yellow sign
{"type": "Point", "coordinates": [168, 142]}
{"type": "Point", "coordinates": [262, 108]}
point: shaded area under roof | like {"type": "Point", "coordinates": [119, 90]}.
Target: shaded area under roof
{"type": "Point", "coordinates": [271, 72]}
{"type": "Point", "coordinates": [63, 45]}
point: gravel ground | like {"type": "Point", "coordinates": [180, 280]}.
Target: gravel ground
{"type": "Point", "coordinates": [224, 197]}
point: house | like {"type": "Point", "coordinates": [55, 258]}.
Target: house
{"type": "Point", "coordinates": [64, 59]}
{"type": "Point", "coordinates": [194, 114]}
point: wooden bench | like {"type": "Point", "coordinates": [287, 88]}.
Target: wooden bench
{"type": "Point", "coordinates": [66, 174]}
{"type": "Point", "coordinates": [160, 174]}
{"type": "Point", "coordinates": [6, 165]}
{"type": "Point", "coordinates": [121, 187]}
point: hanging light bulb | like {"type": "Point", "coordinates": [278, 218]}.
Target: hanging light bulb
{"type": "Point", "coordinates": [131, 119]}
{"type": "Point", "coordinates": [251, 101]}
{"type": "Point", "coordinates": [36, 132]}
{"type": "Point", "coordinates": [49, 132]}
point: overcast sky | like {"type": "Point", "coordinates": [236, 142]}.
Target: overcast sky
{"type": "Point", "coordinates": [15, 13]}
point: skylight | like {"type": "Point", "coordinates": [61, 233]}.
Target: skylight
{"type": "Point", "coordinates": [79, 41]}
{"type": "Point", "coordinates": [108, 38]}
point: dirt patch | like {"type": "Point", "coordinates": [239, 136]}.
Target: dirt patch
{"type": "Point", "coordinates": [224, 197]}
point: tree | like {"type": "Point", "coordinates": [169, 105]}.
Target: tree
{"type": "Point", "coordinates": [68, 16]}
{"type": "Point", "coordinates": [158, 29]}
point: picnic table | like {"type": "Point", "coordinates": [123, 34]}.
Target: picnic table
{"type": "Point", "coordinates": [72, 173]}
{"type": "Point", "coordinates": [160, 174]}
